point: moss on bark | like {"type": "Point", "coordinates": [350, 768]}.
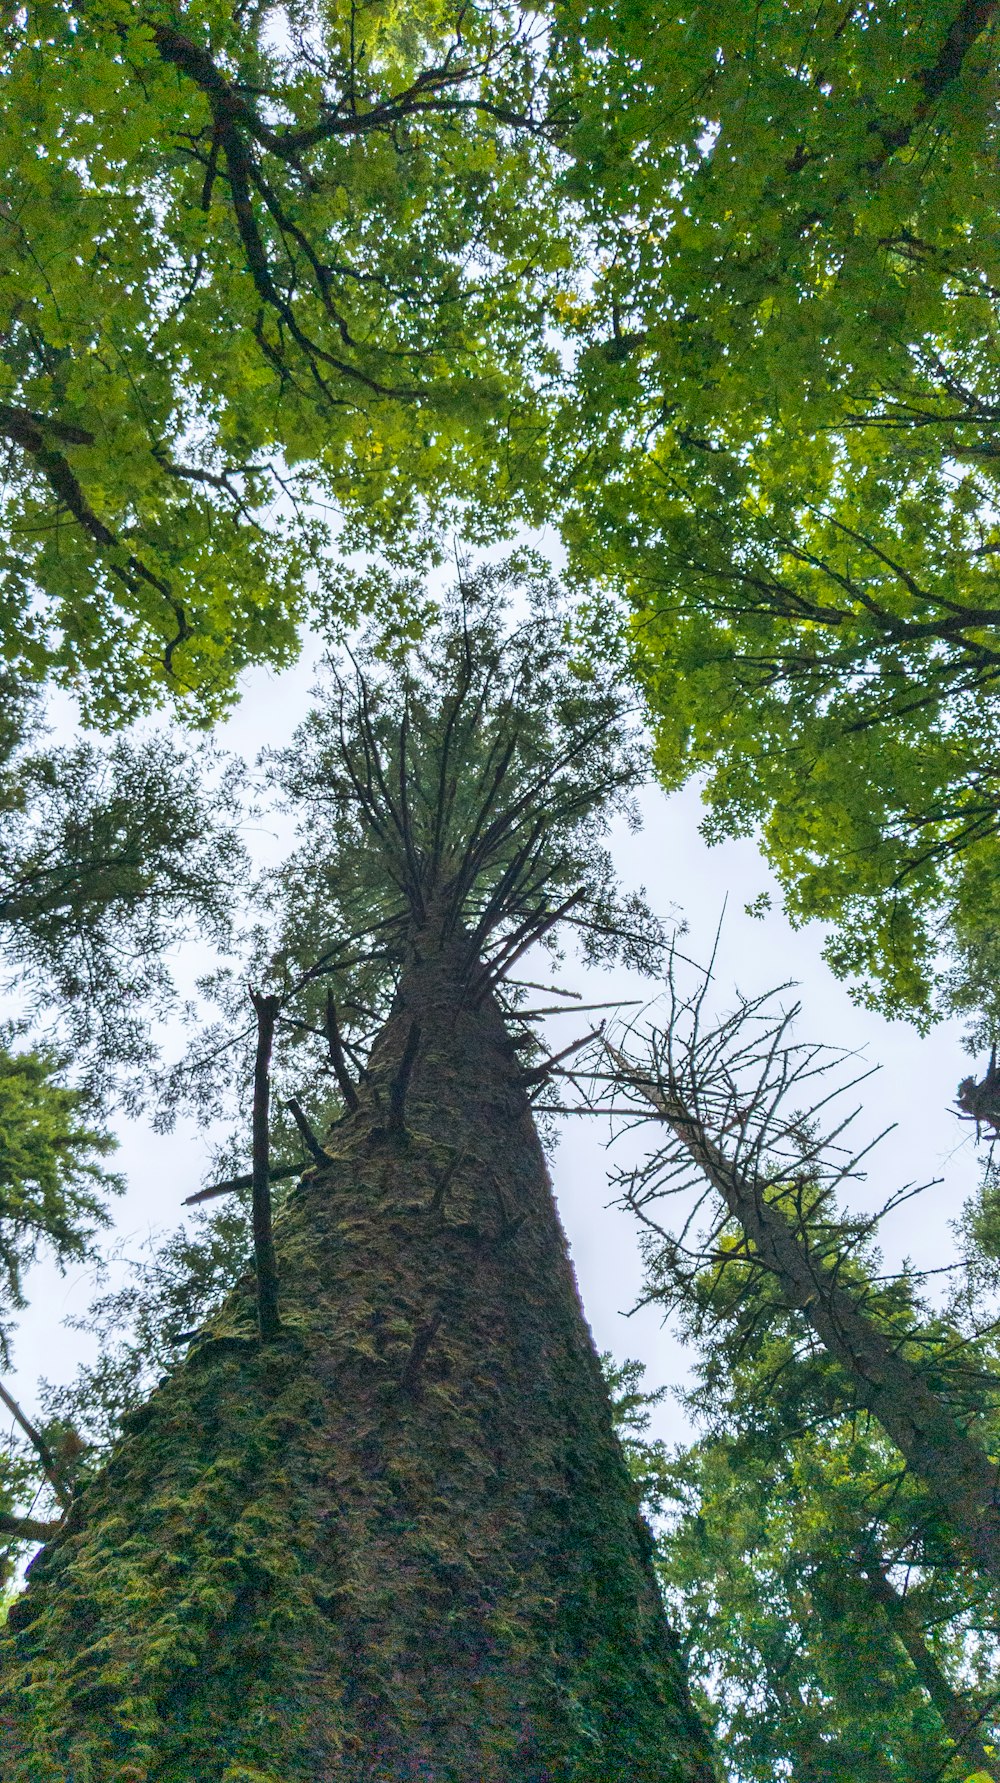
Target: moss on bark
{"type": "Point", "coordinates": [398, 1543]}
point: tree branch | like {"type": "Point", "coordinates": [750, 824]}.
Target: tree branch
{"type": "Point", "coordinates": [239, 1182]}
{"type": "Point", "coordinates": [50, 1465]}
{"type": "Point", "coordinates": [337, 1057]}
{"type": "Point", "coordinates": [266, 1008]}
{"type": "Point", "coordinates": [400, 1083]}
{"type": "Point", "coordinates": [312, 1144]}
{"type": "Point", "coordinates": [27, 1529]}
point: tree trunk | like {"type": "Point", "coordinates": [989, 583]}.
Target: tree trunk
{"type": "Point", "coordinates": [398, 1542]}
{"type": "Point", "coordinates": [962, 1722]}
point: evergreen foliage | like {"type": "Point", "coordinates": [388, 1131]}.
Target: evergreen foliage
{"type": "Point", "coordinates": [53, 1185]}
{"type": "Point", "coordinates": [111, 854]}
{"type": "Point", "coordinates": [838, 1595]}
{"type": "Point", "coordinates": [806, 1663]}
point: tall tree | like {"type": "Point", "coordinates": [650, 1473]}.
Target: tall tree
{"type": "Point", "coordinates": [787, 395]}
{"type": "Point", "coordinates": [257, 262]}
{"type": "Point", "coordinates": [845, 1492]}
{"type": "Point", "coordinates": [110, 855]}
{"type": "Point", "coordinates": [722, 1094]}
{"type": "Point", "coordinates": [391, 1534]}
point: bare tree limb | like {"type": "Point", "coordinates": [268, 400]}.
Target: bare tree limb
{"type": "Point", "coordinates": [401, 1081]}
{"type": "Point", "coordinates": [310, 1140]}
{"type": "Point", "coordinates": [50, 1466]}
{"type": "Point", "coordinates": [239, 1182]}
{"type": "Point", "coordinates": [266, 1008]}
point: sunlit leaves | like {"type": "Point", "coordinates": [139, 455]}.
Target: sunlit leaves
{"type": "Point", "coordinates": [787, 392]}
{"type": "Point", "coordinates": [258, 269]}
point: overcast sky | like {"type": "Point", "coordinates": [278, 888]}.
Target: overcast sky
{"type": "Point", "coordinates": [683, 878]}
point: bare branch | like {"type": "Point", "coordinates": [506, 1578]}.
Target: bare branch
{"type": "Point", "coordinates": [50, 1466]}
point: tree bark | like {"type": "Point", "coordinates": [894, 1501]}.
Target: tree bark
{"type": "Point", "coordinates": [398, 1543]}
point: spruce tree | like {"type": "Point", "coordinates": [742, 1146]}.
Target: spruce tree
{"type": "Point", "coordinates": [387, 1532]}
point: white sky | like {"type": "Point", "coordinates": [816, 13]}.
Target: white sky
{"type": "Point", "coordinates": [683, 877]}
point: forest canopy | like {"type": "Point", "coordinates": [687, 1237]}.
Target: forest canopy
{"type": "Point", "coordinates": [787, 391]}
{"type": "Point", "coordinates": [262, 267]}
{"type": "Point", "coordinates": [712, 294]}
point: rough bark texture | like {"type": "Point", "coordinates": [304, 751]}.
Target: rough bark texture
{"type": "Point", "coordinates": [397, 1543]}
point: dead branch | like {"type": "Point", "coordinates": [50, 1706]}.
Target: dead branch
{"type": "Point", "coordinates": [539, 1073]}
{"type": "Point", "coordinates": [422, 1341]}
{"type": "Point", "coordinates": [337, 1057]}
{"type": "Point", "coordinates": [444, 1183]}
{"type": "Point", "coordinates": [241, 1182]}
{"type": "Point", "coordinates": [401, 1081]}
{"type": "Point", "coordinates": [50, 1466]}
{"type": "Point", "coordinates": [310, 1140]}
{"type": "Point", "coordinates": [266, 1009]}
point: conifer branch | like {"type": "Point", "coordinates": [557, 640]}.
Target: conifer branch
{"type": "Point", "coordinates": [240, 1182]}
{"type": "Point", "coordinates": [50, 1466]}
{"type": "Point", "coordinates": [963, 1725]}
{"type": "Point", "coordinates": [337, 1057]}
{"type": "Point", "coordinates": [301, 1120]}
{"type": "Point", "coordinates": [539, 1073]}
{"type": "Point", "coordinates": [401, 1081]}
{"type": "Point", "coordinates": [572, 1008]}
{"type": "Point", "coordinates": [448, 785]}
{"type": "Point", "coordinates": [266, 1008]}
{"type": "Point", "coordinates": [526, 937]}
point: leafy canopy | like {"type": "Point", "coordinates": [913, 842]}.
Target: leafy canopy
{"type": "Point", "coordinates": [784, 434]}
{"type": "Point", "coordinates": [257, 261]}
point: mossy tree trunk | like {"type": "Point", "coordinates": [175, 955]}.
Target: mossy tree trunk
{"type": "Point", "coordinates": [399, 1542]}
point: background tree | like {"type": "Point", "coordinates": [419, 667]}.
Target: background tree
{"type": "Point", "coordinates": [830, 1633]}
{"type": "Point", "coordinates": [111, 854]}
{"type": "Point", "coordinates": [786, 398]}
{"type": "Point", "coordinates": [109, 857]}
{"type": "Point", "coordinates": [814, 1522]}
{"type": "Point", "coordinates": [398, 1533]}
{"type": "Point", "coordinates": [358, 204]}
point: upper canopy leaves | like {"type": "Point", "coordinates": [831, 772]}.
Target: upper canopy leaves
{"type": "Point", "coordinates": [253, 259]}
{"type": "Point", "coordinates": [788, 393]}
